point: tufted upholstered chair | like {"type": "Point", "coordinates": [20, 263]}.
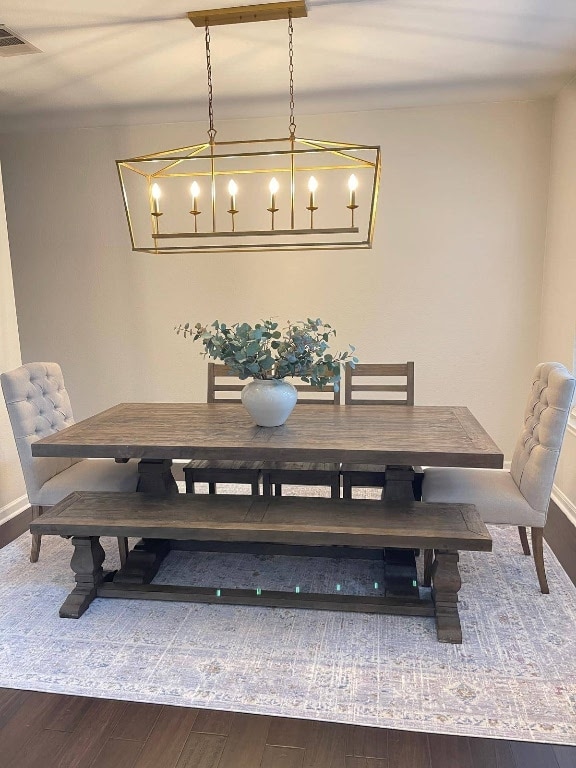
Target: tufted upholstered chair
{"type": "Point", "coordinates": [520, 496]}
{"type": "Point", "coordinates": [38, 405]}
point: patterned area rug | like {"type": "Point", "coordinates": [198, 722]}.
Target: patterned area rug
{"type": "Point", "coordinates": [514, 676]}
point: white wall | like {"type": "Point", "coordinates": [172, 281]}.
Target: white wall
{"type": "Point", "coordinates": [12, 491]}
{"type": "Point", "coordinates": [558, 333]}
{"type": "Point", "coordinates": [453, 281]}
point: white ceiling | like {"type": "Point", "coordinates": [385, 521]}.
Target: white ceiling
{"type": "Point", "coordinates": [142, 60]}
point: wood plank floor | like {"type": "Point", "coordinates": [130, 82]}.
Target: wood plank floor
{"type": "Point", "coordinates": [43, 730]}
{"type": "Point", "coordinates": [46, 730]}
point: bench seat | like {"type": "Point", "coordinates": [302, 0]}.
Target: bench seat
{"type": "Point", "coordinates": [444, 528]}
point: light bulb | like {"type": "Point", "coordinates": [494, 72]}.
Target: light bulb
{"type": "Point", "coordinates": [232, 187]}
{"type": "Point", "coordinates": [156, 194]}
{"type": "Point", "coordinates": [312, 184]}
{"type": "Point", "coordinates": [273, 186]}
{"type": "Point", "coordinates": [194, 189]}
{"type": "Point", "coordinates": [352, 186]}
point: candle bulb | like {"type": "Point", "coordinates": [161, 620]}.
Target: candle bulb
{"type": "Point", "coordinates": [195, 192]}
{"type": "Point", "coordinates": [312, 187]}
{"type": "Point", "coordinates": [352, 186]}
{"type": "Point", "coordinates": [273, 187]}
{"type": "Point", "coordinates": [156, 194]}
{"type": "Point", "coordinates": [232, 190]}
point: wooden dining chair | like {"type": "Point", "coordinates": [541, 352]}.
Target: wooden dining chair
{"type": "Point", "coordinates": [360, 389]}
{"type": "Point", "coordinates": [275, 474]}
{"type": "Point", "coordinates": [223, 387]}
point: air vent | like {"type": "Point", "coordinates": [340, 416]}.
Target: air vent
{"type": "Point", "coordinates": [12, 44]}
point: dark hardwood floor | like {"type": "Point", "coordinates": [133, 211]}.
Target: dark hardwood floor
{"type": "Point", "coordinates": [43, 730]}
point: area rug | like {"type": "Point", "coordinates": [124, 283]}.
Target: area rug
{"type": "Point", "coordinates": [514, 676]}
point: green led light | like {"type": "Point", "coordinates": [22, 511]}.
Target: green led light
{"type": "Point", "coordinates": [375, 585]}
{"type": "Point", "coordinates": [297, 590]}
{"type": "Point", "coordinates": [218, 593]}
{"type": "Point", "coordinates": [338, 587]}
{"type": "Point", "coordinates": [414, 583]}
{"type": "Point", "coordinates": [258, 591]}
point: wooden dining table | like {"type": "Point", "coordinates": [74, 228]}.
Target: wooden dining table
{"type": "Point", "coordinates": [158, 433]}
{"type": "Point", "coordinates": [399, 437]}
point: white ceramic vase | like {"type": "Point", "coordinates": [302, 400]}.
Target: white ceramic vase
{"type": "Point", "coordinates": [269, 401]}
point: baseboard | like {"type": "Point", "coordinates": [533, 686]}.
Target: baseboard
{"type": "Point", "coordinates": [14, 508]}
{"type": "Point", "coordinates": [567, 506]}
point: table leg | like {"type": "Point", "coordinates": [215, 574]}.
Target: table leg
{"type": "Point", "coordinates": [156, 478]}
{"type": "Point", "coordinates": [398, 486]}
{"type": "Point", "coordinates": [400, 564]}
{"type": "Point", "coordinates": [143, 562]}
{"type": "Point", "coordinates": [446, 584]}
{"type": "Point", "coordinates": [86, 563]}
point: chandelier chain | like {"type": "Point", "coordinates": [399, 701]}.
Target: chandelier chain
{"type": "Point", "coordinates": [292, 124]}
{"type": "Point", "coordinates": [211, 129]}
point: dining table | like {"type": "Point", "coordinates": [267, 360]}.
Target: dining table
{"type": "Point", "coordinates": [156, 434]}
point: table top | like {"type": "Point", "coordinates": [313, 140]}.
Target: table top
{"type": "Point", "coordinates": [379, 434]}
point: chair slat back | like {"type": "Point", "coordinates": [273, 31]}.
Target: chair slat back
{"type": "Point", "coordinates": [221, 379]}
{"type": "Point", "coordinates": [314, 395]}
{"type": "Point", "coordinates": [354, 381]}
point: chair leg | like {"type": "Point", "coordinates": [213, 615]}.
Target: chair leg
{"type": "Point", "coordinates": [428, 560]}
{"type": "Point", "coordinates": [277, 489]}
{"type": "Point", "coordinates": [524, 539]}
{"type": "Point", "coordinates": [255, 489]}
{"type": "Point", "coordinates": [335, 488]}
{"type": "Point", "coordinates": [266, 485]}
{"type": "Point", "coordinates": [36, 537]}
{"type": "Point", "coordinates": [346, 487]}
{"type": "Point", "coordinates": [190, 486]}
{"type": "Point", "coordinates": [212, 488]}
{"type": "Point", "coordinates": [35, 550]}
{"type": "Point", "coordinates": [538, 550]}
{"type": "Point", "coordinates": [123, 549]}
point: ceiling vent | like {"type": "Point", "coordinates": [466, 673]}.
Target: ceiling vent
{"type": "Point", "coordinates": [13, 45]}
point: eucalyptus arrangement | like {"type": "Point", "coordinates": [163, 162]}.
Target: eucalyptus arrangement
{"type": "Point", "coordinates": [264, 351]}
{"type": "Point", "coordinates": [269, 354]}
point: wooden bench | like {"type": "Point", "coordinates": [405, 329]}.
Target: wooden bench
{"type": "Point", "coordinates": [84, 516]}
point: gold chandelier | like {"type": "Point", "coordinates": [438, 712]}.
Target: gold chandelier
{"type": "Point", "coordinates": [251, 195]}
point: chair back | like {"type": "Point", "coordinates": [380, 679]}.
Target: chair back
{"type": "Point", "coordinates": [38, 405]}
{"type": "Point", "coordinates": [356, 381]}
{"type": "Point", "coordinates": [222, 379]}
{"type": "Point", "coordinates": [538, 447]}
{"type": "Point", "coordinates": [317, 395]}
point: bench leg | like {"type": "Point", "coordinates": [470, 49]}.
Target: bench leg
{"type": "Point", "coordinates": [446, 584]}
{"type": "Point", "coordinates": [87, 566]}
